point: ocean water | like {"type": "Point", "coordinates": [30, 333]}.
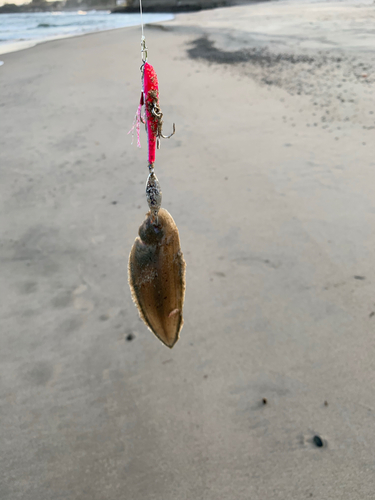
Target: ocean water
{"type": "Point", "coordinates": [18, 31]}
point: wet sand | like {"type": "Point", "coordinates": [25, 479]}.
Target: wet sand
{"type": "Point", "coordinates": [270, 180]}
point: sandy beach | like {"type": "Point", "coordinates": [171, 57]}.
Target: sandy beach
{"type": "Point", "coordinates": [270, 178]}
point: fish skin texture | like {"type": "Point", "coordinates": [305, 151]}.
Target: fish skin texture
{"type": "Point", "coordinates": [157, 277]}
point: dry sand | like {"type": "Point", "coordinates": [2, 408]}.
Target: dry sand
{"type": "Point", "coordinates": [270, 179]}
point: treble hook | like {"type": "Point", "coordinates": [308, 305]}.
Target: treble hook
{"type": "Point", "coordinates": [170, 135]}
{"type": "Point", "coordinates": [164, 136]}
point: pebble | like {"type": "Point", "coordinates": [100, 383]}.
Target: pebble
{"type": "Point", "coordinates": [318, 441]}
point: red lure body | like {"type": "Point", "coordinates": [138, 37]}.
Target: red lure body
{"type": "Point", "coordinates": [150, 99]}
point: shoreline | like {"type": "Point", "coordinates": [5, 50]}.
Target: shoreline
{"type": "Point", "coordinates": [27, 44]}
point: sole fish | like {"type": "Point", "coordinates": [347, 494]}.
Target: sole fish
{"type": "Point", "coordinates": [157, 276]}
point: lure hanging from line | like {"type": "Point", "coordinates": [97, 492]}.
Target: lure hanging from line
{"type": "Point", "coordinates": [156, 265]}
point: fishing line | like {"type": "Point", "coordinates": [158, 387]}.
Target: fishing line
{"type": "Point", "coordinates": [143, 40]}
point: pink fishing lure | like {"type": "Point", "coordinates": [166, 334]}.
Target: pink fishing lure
{"type": "Point", "coordinates": [153, 113]}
